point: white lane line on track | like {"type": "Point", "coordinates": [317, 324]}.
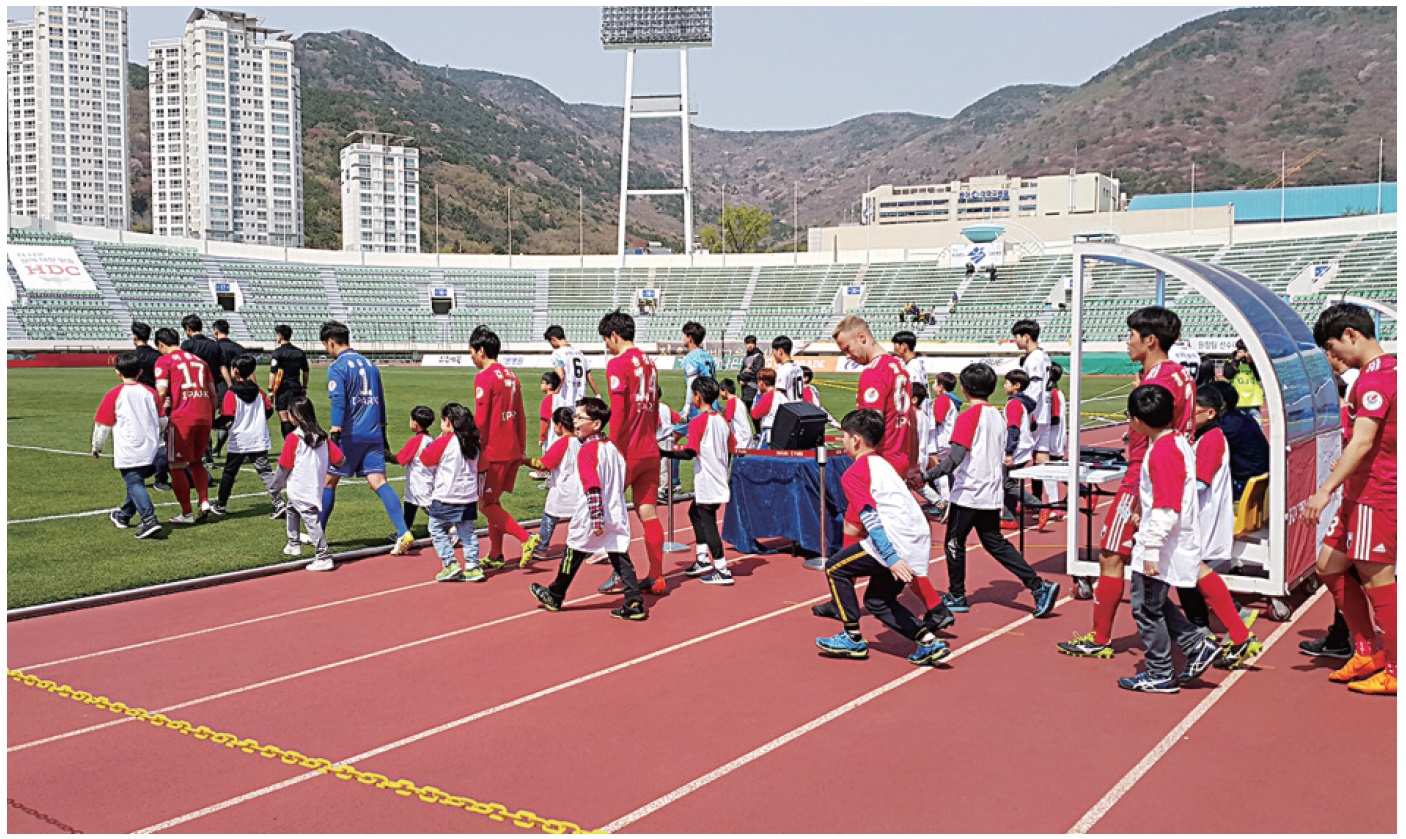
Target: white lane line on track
{"type": "Point", "coordinates": [505, 706]}
{"type": "Point", "coordinates": [308, 672]}
{"type": "Point", "coordinates": [795, 733]}
{"type": "Point", "coordinates": [104, 511]}
{"type": "Point", "coordinates": [1149, 760]}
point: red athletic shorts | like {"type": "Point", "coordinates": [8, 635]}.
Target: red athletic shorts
{"type": "Point", "coordinates": [1118, 530]}
{"type": "Point", "coordinates": [642, 477]}
{"type": "Point", "coordinates": [187, 443]}
{"type": "Point", "coordinates": [1365, 534]}
{"type": "Point", "coordinates": [499, 478]}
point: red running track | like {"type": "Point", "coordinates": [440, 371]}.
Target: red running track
{"type": "Point", "coordinates": [716, 715]}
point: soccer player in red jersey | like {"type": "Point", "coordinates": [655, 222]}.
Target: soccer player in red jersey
{"type": "Point", "coordinates": [634, 424]}
{"type": "Point", "coordinates": [184, 383]}
{"type": "Point", "coordinates": [502, 429]}
{"type": "Point", "coordinates": [883, 387]}
{"type": "Point", "coordinates": [1151, 331]}
{"type": "Point", "coordinates": [1363, 533]}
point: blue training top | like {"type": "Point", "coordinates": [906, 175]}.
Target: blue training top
{"type": "Point", "coordinates": [358, 402]}
{"type": "Point", "coordinates": [698, 362]}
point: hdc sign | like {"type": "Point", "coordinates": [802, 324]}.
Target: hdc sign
{"type": "Point", "coordinates": [49, 268]}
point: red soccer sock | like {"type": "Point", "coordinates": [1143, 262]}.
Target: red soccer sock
{"type": "Point", "coordinates": [922, 587]}
{"type": "Point", "coordinates": [1108, 593]}
{"type": "Point", "coordinates": [1223, 606]}
{"type": "Point", "coordinates": [654, 546]}
{"type": "Point", "coordinates": [495, 538]}
{"type": "Point", "coordinates": [1384, 612]}
{"type": "Point", "coordinates": [1352, 602]}
{"type": "Point", "coordinates": [202, 482]}
{"type": "Point", "coordinates": [500, 520]}
{"type": "Point", "coordinates": [180, 484]}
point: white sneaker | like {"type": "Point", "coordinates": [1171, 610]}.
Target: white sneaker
{"type": "Point", "coordinates": [204, 511]}
{"type": "Point", "coordinates": [183, 518]}
{"type": "Point", "coordinates": [597, 558]}
{"type": "Point", "coordinates": [402, 544]}
{"type": "Point", "coordinates": [292, 549]}
{"type": "Point", "coordinates": [321, 564]}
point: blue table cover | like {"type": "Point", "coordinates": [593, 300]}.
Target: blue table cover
{"type": "Point", "coordinates": [779, 497]}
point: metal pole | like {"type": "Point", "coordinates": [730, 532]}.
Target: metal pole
{"type": "Point", "coordinates": [436, 217]}
{"type": "Point", "coordinates": [722, 223]}
{"type": "Point", "coordinates": [1193, 204]}
{"type": "Point", "coordinates": [581, 214]}
{"type": "Point", "coordinates": [1074, 411]}
{"type": "Point", "coordinates": [1381, 158]}
{"type": "Point", "coordinates": [795, 227]}
{"type": "Point", "coordinates": [1283, 177]}
{"type": "Point", "coordinates": [868, 221]}
{"type": "Point", "coordinates": [687, 162]}
{"type": "Point", "coordinates": [818, 563]}
{"type": "Point", "coordinates": [1161, 289]}
{"type": "Point", "coordinates": [671, 547]}
{"type": "Point", "coordinates": [625, 152]}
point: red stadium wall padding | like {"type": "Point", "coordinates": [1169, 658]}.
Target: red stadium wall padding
{"type": "Point", "coordinates": [64, 360]}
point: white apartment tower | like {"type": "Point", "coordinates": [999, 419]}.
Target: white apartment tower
{"type": "Point", "coordinates": [68, 138]}
{"type": "Point", "coordinates": [226, 133]}
{"type": "Point", "coordinates": [380, 194]}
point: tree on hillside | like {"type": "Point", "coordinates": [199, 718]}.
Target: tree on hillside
{"type": "Point", "coordinates": [745, 228]}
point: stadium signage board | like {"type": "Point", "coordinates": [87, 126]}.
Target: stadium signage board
{"type": "Point", "coordinates": [49, 268]}
{"type": "Point", "coordinates": [982, 256]}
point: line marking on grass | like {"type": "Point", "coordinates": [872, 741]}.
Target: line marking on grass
{"type": "Point", "coordinates": [474, 717]}
{"type": "Point", "coordinates": [54, 451]}
{"type": "Point", "coordinates": [104, 511]}
{"type": "Point", "coordinates": [800, 731]}
{"type": "Point", "coordinates": [1149, 760]}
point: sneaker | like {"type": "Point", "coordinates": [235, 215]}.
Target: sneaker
{"type": "Point", "coordinates": [1045, 597]}
{"type": "Point", "coordinates": [474, 574]}
{"type": "Point", "coordinates": [548, 600]}
{"type": "Point", "coordinates": [597, 558]}
{"type": "Point", "coordinates": [161, 486]}
{"type": "Point", "coordinates": [304, 539]}
{"type": "Point", "coordinates": [1326, 647]}
{"type": "Point", "coordinates": [183, 518]}
{"type": "Point", "coordinates": [492, 563]}
{"type": "Point", "coordinates": [1381, 684]}
{"type": "Point", "coordinates": [219, 510]}
{"type": "Point", "coordinates": [937, 618]}
{"type": "Point", "coordinates": [1044, 520]}
{"type": "Point", "coordinates": [203, 511]}
{"type": "Point", "coordinates": [840, 644]}
{"type": "Point", "coordinates": [1198, 661]}
{"type": "Point", "coordinates": [292, 549]}
{"type": "Point", "coordinates": [279, 508]}
{"type": "Point", "coordinates": [930, 653]}
{"type": "Point", "coordinates": [649, 585]}
{"type": "Point", "coordinates": [146, 530]}
{"type": "Point", "coordinates": [1235, 655]}
{"type": "Point", "coordinates": [118, 521]}
{"type": "Point", "coordinates": [632, 611]}
{"type": "Point", "coordinates": [528, 548]}
{"type": "Point", "coordinates": [324, 564]}
{"type": "Point", "coordinates": [611, 585]}
{"type": "Point", "coordinates": [403, 544]}
{"type": "Point", "coordinates": [1083, 646]}
{"type": "Point", "coordinates": [539, 475]}
{"type": "Point", "coordinates": [720, 577]}
{"type": "Point", "coordinates": [1010, 524]}
{"type": "Point", "coordinates": [448, 574]}
{"type": "Point", "coordinates": [1360, 667]}
{"type": "Point", "coordinates": [955, 602]}
{"type": "Point", "coordinates": [826, 610]}
{"type": "Point", "coordinates": [699, 567]}
{"type": "Point", "coordinates": [1145, 683]}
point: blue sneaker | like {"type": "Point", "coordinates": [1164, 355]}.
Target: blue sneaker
{"type": "Point", "coordinates": [1045, 597]}
{"type": "Point", "coordinates": [844, 646]}
{"type": "Point", "coordinates": [1199, 660]}
{"type": "Point", "coordinates": [955, 603]}
{"type": "Point", "coordinates": [1146, 683]}
{"type": "Point", "coordinates": [930, 653]}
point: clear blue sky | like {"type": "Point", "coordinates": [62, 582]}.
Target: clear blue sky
{"type": "Point", "coordinates": [771, 67]}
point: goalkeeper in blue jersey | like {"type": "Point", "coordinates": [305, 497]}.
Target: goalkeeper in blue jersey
{"type": "Point", "coordinates": [358, 426]}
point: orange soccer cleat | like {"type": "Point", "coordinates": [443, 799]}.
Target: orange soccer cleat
{"type": "Point", "coordinates": [1044, 519]}
{"type": "Point", "coordinates": [1381, 684]}
{"type": "Point", "coordinates": [1360, 667]}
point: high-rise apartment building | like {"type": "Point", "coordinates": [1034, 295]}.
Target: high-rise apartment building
{"type": "Point", "coordinates": [380, 194]}
{"type": "Point", "coordinates": [226, 149]}
{"type": "Point", "coordinates": [68, 138]}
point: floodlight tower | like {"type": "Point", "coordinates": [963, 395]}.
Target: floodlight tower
{"type": "Point", "coordinates": [634, 28]}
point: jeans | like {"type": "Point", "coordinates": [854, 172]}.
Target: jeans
{"type": "Point", "coordinates": [444, 521]}
{"type": "Point", "coordinates": [547, 528]}
{"type": "Point", "coordinates": [1159, 621]}
{"type": "Point", "coordinates": [137, 500]}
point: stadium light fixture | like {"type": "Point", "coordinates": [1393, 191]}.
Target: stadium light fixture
{"type": "Point", "coordinates": [632, 28]}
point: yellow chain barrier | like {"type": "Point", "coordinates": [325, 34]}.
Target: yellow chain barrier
{"type": "Point", "coordinates": [525, 819]}
{"type": "Point", "coordinates": [835, 385]}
